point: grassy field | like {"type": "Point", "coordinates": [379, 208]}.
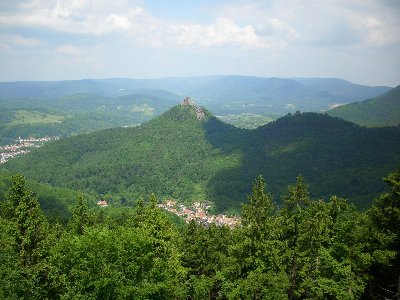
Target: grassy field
{"type": "Point", "coordinates": [23, 117]}
{"type": "Point", "coordinates": [246, 120]}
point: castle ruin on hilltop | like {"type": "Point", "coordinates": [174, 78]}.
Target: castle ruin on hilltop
{"type": "Point", "coordinates": [186, 101]}
{"type": "Point", "coordinates": [199, 110]}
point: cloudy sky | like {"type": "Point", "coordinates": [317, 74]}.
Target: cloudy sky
{"type": "Point", "coordinates": [357, 40]}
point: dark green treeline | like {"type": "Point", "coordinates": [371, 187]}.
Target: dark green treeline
{"type": "Point", "coordinates": [304, 249]}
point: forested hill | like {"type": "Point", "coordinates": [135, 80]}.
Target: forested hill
{"type": "Point", "coordinates": [79, 113]}
{"type": "Point", "coordinates": [179, 156]}
{"type": "Point", "coordinates": [381, 111]}
{"type": "Point", "coordinates": [55, 202]}
{"type": "Point", "coordinates": [170, 156]}
{"type": "Point", "coordinates": [343, 90]}
{"type": "Point", "coordinates": [231, 94]}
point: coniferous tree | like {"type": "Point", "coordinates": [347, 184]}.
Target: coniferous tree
{"type": "Point", "coordinates": [327, 249]}
{"type": "Point", "coordinates": [385, 215]}
{"type": "Point", "coordinates": [29, 221]}
{"type": "Point", "coordinates": [81, 216]}
{"type": "Point", "coordinates": [204, 254]}
{"type": "Point", "coordinates": [294, 209]}
{"type": "Point", "coordinates": [257, 255]}
{"type": "Point", "coordinates": [29, 237]}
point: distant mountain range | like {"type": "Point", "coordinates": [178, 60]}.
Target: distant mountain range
{"type": "Point", "coordinates": [380, 111]}
{"type": "Point", "coordinates": [221, 94]}
{"type": "Point", "coordinates": [178, 156]}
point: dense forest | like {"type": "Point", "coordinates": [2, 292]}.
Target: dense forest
{"type": "Point", "coordinates": [380, 111]}
{"type": "Point", "coordinates": [62, 108]}
{"type": "Point", "coordinates": [177, 156]}
{"type": "Point", "coordinates": [78, 113]}
{"type": "Point", "coordinates": [305, 248]}
{"type": "Point", "coordinates": [332, 234]}
{"type": "Point", "coordinates": [55, 202]}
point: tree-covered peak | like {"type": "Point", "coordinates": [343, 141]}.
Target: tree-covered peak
{"type": "Point", "coordinates": [179, 156]}
{"type": "Point", "coordinates": [315, 122]}
{"type": "Point", "coordinates": [380, 111]}
{"type": "Point", "coordinates": [183, 112]}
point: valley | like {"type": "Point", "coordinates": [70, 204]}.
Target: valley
{"type": "Point", "coordinates": [200, 150]}
{"type": "Point", "coordinates": [182, 156]}
{"type": "Point", "coordinates": [22, 146]}
{"type": "Point", "coordinates": [199, 212]}
{"type": "Point", "coordinates": [155, 192]}
{"type": "Point", "coordinates": [380, 111]}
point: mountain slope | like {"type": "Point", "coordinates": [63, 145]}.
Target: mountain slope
{"type": "Point", "coordinates": [55, 202]}
{"type": "Point", "coordinates": [221, 94]}
{"type": "Point", "coordinates": [176, 155]}
{"type": "Point", "coordinates": [381, 111]}
{"type": "Point", "coordinates": [335, 157]}
{"type": "Point", "coordinates": [169, 156]}
{"type": "Point", "coordinates": [341, 90]}
{"type": "Point", "coordinates": [79, 113]}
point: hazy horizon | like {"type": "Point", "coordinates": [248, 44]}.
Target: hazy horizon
{"type": "Point", "coordinates": [354, 40]}
{"type": "Point", "coordinates": [194, 76]}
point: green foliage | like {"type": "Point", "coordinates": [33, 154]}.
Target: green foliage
{"type": "Point", "coordinates": [258, 270]}
{"type": "Point", "coordinates": [305, 249]}
{"type": "Point", "coordinates": [29, 221]}
{"type": "Point", "coordinates": [26, 234]}
{"type": "Point", "coordinates": [222, 94]}
{"type": "Point", "coordinates": [81, 217]}
{"type": "Point", "coordinates": [139, 260]}
{"type": "Point", "coordinates": [177, 156]}
{"type": "Point", "coordinates": [78, 113]}
{"type": "Point", "coordinates": [385, 217]}
{"type": "Point", "coordinates": [120, 263]}
{"type": "Point", "coordinates": [13, 283]}
{"type": "Point", "coordinates": [381, 111]}
{"type": "Point", "coordinates": [205, 254]}
{"type": "Point", "coordinates": [33, 117]}
{"type": "Point", "coordinates": [246, 120]}
{"type": "Point", "coordinates": [53, 201]}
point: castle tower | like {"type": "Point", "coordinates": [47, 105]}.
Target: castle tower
{"type": "Point", "coordinates": [186, 101]}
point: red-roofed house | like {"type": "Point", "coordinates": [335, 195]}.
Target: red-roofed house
{"type": "Point", "coordinates": [102, 203]}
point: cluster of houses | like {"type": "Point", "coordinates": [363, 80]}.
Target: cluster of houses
{"type": "Point", "coordinates": [21, 147]}
{"type": "Point", "coordinates": [198, 211]}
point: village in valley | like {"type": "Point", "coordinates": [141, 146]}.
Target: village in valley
{"type": "Point", "coordinates": [198, 211]}
{"type": "Point", "coordinates": [22, 146]}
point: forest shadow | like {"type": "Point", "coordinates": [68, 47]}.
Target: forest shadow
{"type": "Point", "coordinates": [334, 157]}
{"type": "Point", "coordinates": [229, 187]}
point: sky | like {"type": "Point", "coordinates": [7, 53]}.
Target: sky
{"type": "Point", "coordinates": [356, 40]}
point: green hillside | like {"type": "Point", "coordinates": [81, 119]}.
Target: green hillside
{"type": "Point", "coordinates": [231, 94]}
{"type": "Point", "coordinates": [55, 202]}
{"type": "Point", "coordinates": [178, 156]}
{"type": "Point", "coordinates": [381, 111]}
{"type": "Point", "coordinates": [79, 113]}
{"type": "Point", "coordinates": [169, 156]}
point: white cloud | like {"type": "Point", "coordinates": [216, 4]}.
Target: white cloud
{"type": "Point", "coordinates": [255, 37]}
{"type": "Point", "coordinates": [82, 17]}
{"type": "Point", "coordinates": [10, 41]}
{"type": "Point", "coordinates": [69, 50]}
{"type": "Point", "coordinates": [21, 41]}
{"type": "Point", "coordinates": [378, 32]}
{"type": "Point", "coordinates": [324, 23]}
{"type": "Point", "coordinates": [5, 47]}
{"type": "Point", "coordinates": [79, 17]}
{"type": "Point", "coordinates": [224, 32]}
{"type": "Point", "coordinates": [256, 24]}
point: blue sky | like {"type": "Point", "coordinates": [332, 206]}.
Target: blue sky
{"type": "Point", "coordinates": [357, 40]}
